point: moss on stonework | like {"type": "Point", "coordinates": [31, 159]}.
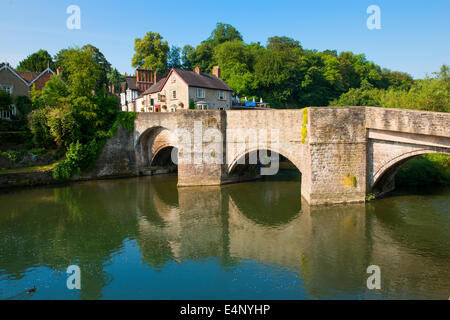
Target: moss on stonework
{"type": "Point", "coordinates": [304, 131]}
{"type": "Point", "coordinates": [350, 180]}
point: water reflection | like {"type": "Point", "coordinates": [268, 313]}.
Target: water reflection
{"type": "Point", "coordinates": [324, 252]}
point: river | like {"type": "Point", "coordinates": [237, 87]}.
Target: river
{"type": "Point", "coordinates": [144, 238]}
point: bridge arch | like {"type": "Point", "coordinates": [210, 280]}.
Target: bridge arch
{"type": "Point", "coordinates": [232, 164]}
{"type": "Point", "coordinates": [151, 142]}
{"type": "Point", "coordinates": [384, 177]}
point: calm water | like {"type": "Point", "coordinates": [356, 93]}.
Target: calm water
{"type": "Point", "coordinates": [143, 238]}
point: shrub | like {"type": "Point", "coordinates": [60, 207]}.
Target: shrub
{"type": "Point", "coordinates": [37, 122]}
{"type": "Point", "coordinates": [81, 157]}
{"type": "Point", "coordinates": [78, 157]}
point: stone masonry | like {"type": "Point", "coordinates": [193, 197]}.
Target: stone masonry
{"type": "Point", "coordinates": [343, 153]}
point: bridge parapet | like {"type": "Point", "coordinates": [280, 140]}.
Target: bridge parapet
{"type": "Point", "coordinates": [408, 121]}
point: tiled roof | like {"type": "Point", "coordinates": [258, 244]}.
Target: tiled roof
{"type": "Point", "coordinates": [28, 76]}
{"type": "Point", "coordinates": [155, 88]}
{"type": "Point", "coordinates": [202, 80]}
{"type": "Point", "coordinates": [42, 80]}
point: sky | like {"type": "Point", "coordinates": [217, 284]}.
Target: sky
{"type": "Point", "coordinates": [414, 34]}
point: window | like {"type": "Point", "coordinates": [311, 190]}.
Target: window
{"type": "Point", "coordinates": [7, 89]}
{"type": "Point", "coordinates": [152, 102]}
{"type": "Point", "coordinates": [221, 95]}
{"type": "Point", "coordinates": [202, 107]}
{"type": "Point", "coordinates": [200, 93]}
{"type": "Point", "coordinates": [174, 94]}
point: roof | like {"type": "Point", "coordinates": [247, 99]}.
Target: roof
{"type": "Point", "coordinates": [28, 76]}
{"type": "Point", "coordinates": [131, 82]}
{"type": "Point", "coordinates": [31, 77]}
{"type": "Point", "coordinates": [155, 87]}
{"type": "Point", "coordinates": [202, 80]}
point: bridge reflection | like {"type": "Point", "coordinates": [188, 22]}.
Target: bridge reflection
{"type": "Point", "coordinates": [329, 248]}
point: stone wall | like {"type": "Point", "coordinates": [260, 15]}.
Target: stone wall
{"type": "Point", "coordinates": [117, 158]}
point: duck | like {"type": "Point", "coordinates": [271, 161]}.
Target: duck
{"type": "Point", "coordinates": [32, 290]}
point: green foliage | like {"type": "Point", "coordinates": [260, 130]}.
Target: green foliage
{"type": "Point", "coordinates": [174, 58]}
{"type": "Point", "coordinates": [62, 124]}
{"type": "Point", "coordinates": [85, 70]}
{"type": "Point", "coordinates": [151, 52]}
{"type": "Point", "coordinates": [23, 106]}
{"type": "Point", "coordinates": [126, 120]}
{"type": "Point", "coordinates": [36, 62]}
{"type": "Point", "coordinates": [237, 64]}
{"type": "Point", "coordinates": [223, 32]}
{"type": "Point", "coordinates": [283, 73]}
{"type": "Point", "coordinates": [12, 155]}
{"type": "Point", "coordinates": [191, 104]}
{"type": "Point", "coordinates": [74, 107]}
{"type": "Point", "coordinates": [5, 100]}
{"type": "Point", "coordinates": [115, 78]}
{"type": "Point", "coordinates": [37, 123]}
{"type": "Point", "coordinates": [431, 94]}
{"type": "Point", "coordinates": [80, 157]}
{"type": "Point", "coordinates": [425, 171]}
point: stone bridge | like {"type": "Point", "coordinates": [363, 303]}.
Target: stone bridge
{"type": "Point", "coordinates": [343, 153]}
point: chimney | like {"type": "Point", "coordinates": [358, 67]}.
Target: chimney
{"type": "Point", "coordinates": [216, 71]}
{"type": "Point", "coordinates": [59, 71]}
{"type": "Point", "coordinates": [197, 70]}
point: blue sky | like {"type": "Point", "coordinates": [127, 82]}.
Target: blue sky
{"type": "Point", "coordinates": [414, 34]}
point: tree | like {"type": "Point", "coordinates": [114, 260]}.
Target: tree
{"type": "Point", "coordinates": [223, 33]}
{"type": "Point", "coordinates": [186, 57]}
{"type": "Point", "coordinates": [174, 58]}
{"type": "Point", "coordinates": [282, 43]}
{"type": "Point", "coordinates": [151, 52]}
{"type": "Point", "coordinates": [202, 57]}
{"type": "Point", "coordinates": [431, 94]}
{"type": "Point", "coordinates": [115, 78]}
{"type": "Point", "coordinates": [84, 70]}
{"type": "Point", "coordinates": [76, 105]}
{"type": "Point", "coordinates": [36, 62]}
{"type": "Point", "coordinates": [236, 63]}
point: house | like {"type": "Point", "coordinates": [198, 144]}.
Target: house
{"type": "Point", "coordinates": [133, 86]}
{"type": "Point", "coordinates": [20, 83]}
{"type": "Point", "coordinates": [183, 89]}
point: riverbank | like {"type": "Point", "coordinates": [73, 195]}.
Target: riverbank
{"type": "Point", "coordinates": [43, 176]}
